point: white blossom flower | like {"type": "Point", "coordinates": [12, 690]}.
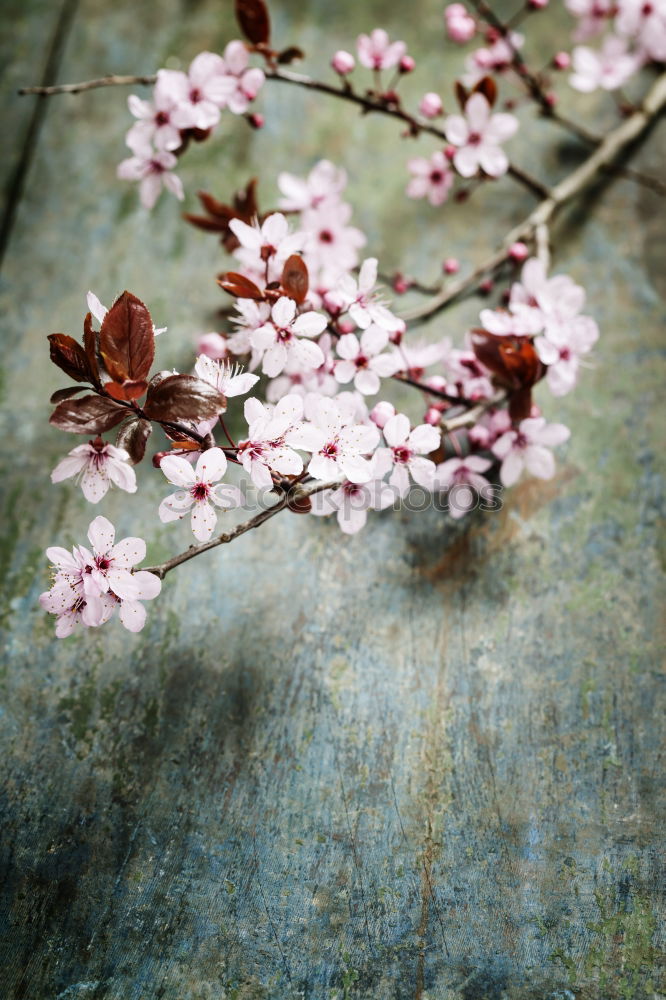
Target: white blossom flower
{"type": "Point", "coordinates": [464, 480]}
{"type": "Point", "coordinates": [527, 447]}
{"type": "Point", "coordinates": [97, 464]}
{"type": "Point", "coordinates": [363, 361]}
{"type": "Point", "coordinates": [152, 169]}
{"type": "Point", "coordinates": [198, 493]}
{"type": "Point", "coordinates": [359, 298]}
{"type": "Point", "coordinates": [337, 445]}
{"type": "Point", "coordinates": [228, 379]}
{"type": "Point", "coordinates": [281, 338]}
{"type": "Point", "coordinates": [404, 456]}
{"type": "Point", "coordinates": [477, 135]}
{"type": "Point", "coordinates": [266, 449]}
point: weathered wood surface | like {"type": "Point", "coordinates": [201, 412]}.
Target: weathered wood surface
{"type": "Point", "coordinates": [420, 763]}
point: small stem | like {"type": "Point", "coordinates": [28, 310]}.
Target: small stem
{"type": "Point", "coordinates": [471, 417]}
{"type": "Point", "coordinates": [437, 393]}
{"type": "Point", "coordinates": [79, 88]}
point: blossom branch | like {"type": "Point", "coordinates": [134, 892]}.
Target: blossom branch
{"type": "Point", "coordinates": [603, 157]}
{"type": "Point", "coordinates": [298, 494]}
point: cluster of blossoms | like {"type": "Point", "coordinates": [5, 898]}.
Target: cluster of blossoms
{"type": "Point", "coordinates": [185, 106]}
{"type": "Point", "coordinates": [633, 33]}
{"type": "Point", "coordinates": [313, 347]}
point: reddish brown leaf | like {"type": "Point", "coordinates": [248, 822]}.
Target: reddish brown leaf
{"type": "Point", "coordinates": [512, 360]}
{"type": "Point", "coordinates": [239, 286]}
{"type": "Point", "coordinates": [88, 415]}
{"type": "Point", "coordinates": [295, 278]}
{"type": "Point", "coordinates": [90, 347]}
{"type": "Point", "coordinates": [127, 390]}
{"type": "Point", "coordinates": [253, 19]}
{"type": "Point", "coordinates": [60, 394]}
{"type": "Point", "coordinates": [126, 340]}
{"type": "Point", "coordinates": [69, 357]}
{"type": "Point", "coordinates": [461, 94]}
{"type": "Point", "coordinates": [300, 505]}
{"type": "Point", "coordinates": [183, 397]}
{"type": "Point", "coordinates": [133, 437]}
{"type": "Point", "coordinates": [488, 88]}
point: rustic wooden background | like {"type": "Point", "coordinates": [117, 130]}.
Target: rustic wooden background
{"type": "Point", "coordinates": [419, 763]}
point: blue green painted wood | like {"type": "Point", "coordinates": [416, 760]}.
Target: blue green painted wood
{"type": "Point", "coordinates": [420, 763]}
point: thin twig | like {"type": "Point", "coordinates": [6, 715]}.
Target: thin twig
{"type": "Point", "coordinates": [295, 494]}
{"type": "Point", "coordinates": [79, 88]}
{"type": "Point", "coordinates": [612, 146]}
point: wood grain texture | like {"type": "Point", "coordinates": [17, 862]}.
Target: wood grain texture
{"type": "Point", "coordinates": [421, 763]}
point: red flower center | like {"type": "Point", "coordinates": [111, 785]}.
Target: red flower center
{"type": "Point", "coordinates": [474, 138]}
{"type": "Point", "coordinates": [200, 491]}
{"type": "Point", "coordinates": [326, 236]}
{"type": "Point", "coordinates": [402, 454]}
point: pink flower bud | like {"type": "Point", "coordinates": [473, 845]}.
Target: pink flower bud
{"type": "Point", "coordinates": [449, 152]}
{"type": "Point", "coordinates": [401, 284]}
{"type": "Point", "coordinates": [562, 60]}
{"type": "Point", "coordinates": [407, 64]}
{"type": "Point", "coordinates": [382, 413]}
{"type": "Point", "coordinates": [486, 286]}
{"type": "Point", "coordinates": [431, 105]}
{"type": "Point", "coordinates": [518, 252]}
{"type": "Point", "coordinates": [538, 4]}
{"type": "Point", "coordinates": [346, 326]}
{"type": "Point", "coordinates": [256, 121]}
{"type": "Point", "coordinates": [451, 265]}
{"type": "Point", "coordinates": [395, 336]}
{"type": "Point", "coordinates": [213, 345]}
{"type": "Point", "coordinates": [551, 99]}
{"type": "Point", "coordinates": [432, 416]}
{"type": "Point", "coordinates": [460, 25]}
{"type": "Point", "coordinates": [437, 382]}
{"type": "Point", "coordinates": [343, 62]}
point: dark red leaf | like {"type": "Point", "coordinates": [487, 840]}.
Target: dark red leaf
{"type": "Point", "coordinates": [513, 360]}
{"type": "Point", "coordinates": [133, 437]}
{"type": "Point", "coordinates": [488, 88]}
{"type": "Point", "coordinates": [239, 286]}
{"type": "Point", "coordinates": [183, 397]}
{"type": "Point", "coordinates": [295, 279]}
{"type": "Point", "coordinates": [88, 415]}
{"type": "Point", "coordinates": [127, 390]}
{"type": "Point", "coordinates": [300, 505]}
{"type": "Point", "coordinates": [253, 19]}
{"type": "Point", "coordinates": [90, 347]}
{"type": "Point", "coordinates": [290, 55]}
{"type": "Point", "coordinates": [69, 357]}
{"type": "Point", "coordinates": [520, 405]}
{"type": "Point", "coordinates": [461, 94]}
{"type": "Point", "coordinates": [126, 340]}
{"type": "Point", "coordinates": [61, 394]}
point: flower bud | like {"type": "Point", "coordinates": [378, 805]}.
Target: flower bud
{"type": "Point", "coordinates": [451, 265]}
{"type": "Point", "coordinates": [538, 4]}
{"type": "Point", "coordinates": [432, 416]}
{"type": "Point", "coordinates": [256, 120]}
{"type": "Point", "coordinates": [431, 105]}
{"type": "Point", "coordinates": [400, 284]}
{"type": "Point", "coordinates": [407, 64]}
{"type": "Point", "coordinates": [382, 413]}
{"type": "Point", "coordinates": [518, 252]}
{"type": "Point", "coordinates": [460, 25]}
{"type": "Point", "coordinates": [486, 286]}
{"type": "Point", "coordinates": [343, 62]}
{"type": "Point", "coordinates": [213, 346]}
{"type": "Point", "coordinates": [562, 60]}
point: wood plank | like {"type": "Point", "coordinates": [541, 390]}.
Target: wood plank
{"type": "Point", "coordinates": [418, 763]}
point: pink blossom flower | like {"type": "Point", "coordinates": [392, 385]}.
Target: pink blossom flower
{"type": "Point", "coordinates": [324, 183]}
{"type": "Point", "coordinates": [382, 412]}
{"type": "Point", "coordinates": [465, 376]}
{"type": "Point", "coordinates": [477, 137]}
{"type": "Point", "coordinates": [492, 59]}
{"type": "Point", "coordinates": [431, 179]}
{"type": "Point", "coordinates": [208, 89]}
{"type": "Point", "coordinates": [155, 121]}
{"type": "Point", "coordinates": [414, 359]}
{"type": "Point", "coordinates": [89, 586]}
{"type": "Point", "coordinates": [463, 479]}
{"type": "Point", "coordinates": [556, 299]}
{"type": "Point", "coordinates": [592, 16]}
{"type": "Point", "coordinates": [521, 321]}
{"type": "Point", "coordinates": [198, 493]}
{"type": "Point", "coordinates": [608, 68]}
{"type": "Point", "coordinates": [331, 243]}
{"type": "Point", "coordinates": [337, 445]}
{"type": "Point", "coordinates": [363, 360]}
{"type": "Point", "coordinates": [359, 299]}
{"type": "Point", "coordinates": [375, 51]}
{"type": "Point", "coordinates": [281, 338]}
{"type": "Point", "coordinates": [561, 349]}
{"type": "Point", "coordinates": [460, 25]}
{"type": "Point", "coordinates": [351, 503]}
{"type": "Point", "coordinates": [405, 452]}
{"type": "Point", "coordinates": [528, 448]}
{"type": "Point", "coordinates": [266, 448]}
{"type": "Point", "coordinates": [269, 243]}
{"type": "Point", "coordinates": [319, 381]}
{"type": "Point", "coordinates": [247, 81]}
{"type": "Point", "coordinates": [97, 464]}
{"type": "Point", "coordinates": [645, 24]}
{"type": "Point", "coordinates": [213, 345]}
{"type": "Point", "coordinates": [153, 171]}
{"type": "Point", "coordinates": [490, 427]}
{"type": "Point", "coordinates": [228, 379]}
